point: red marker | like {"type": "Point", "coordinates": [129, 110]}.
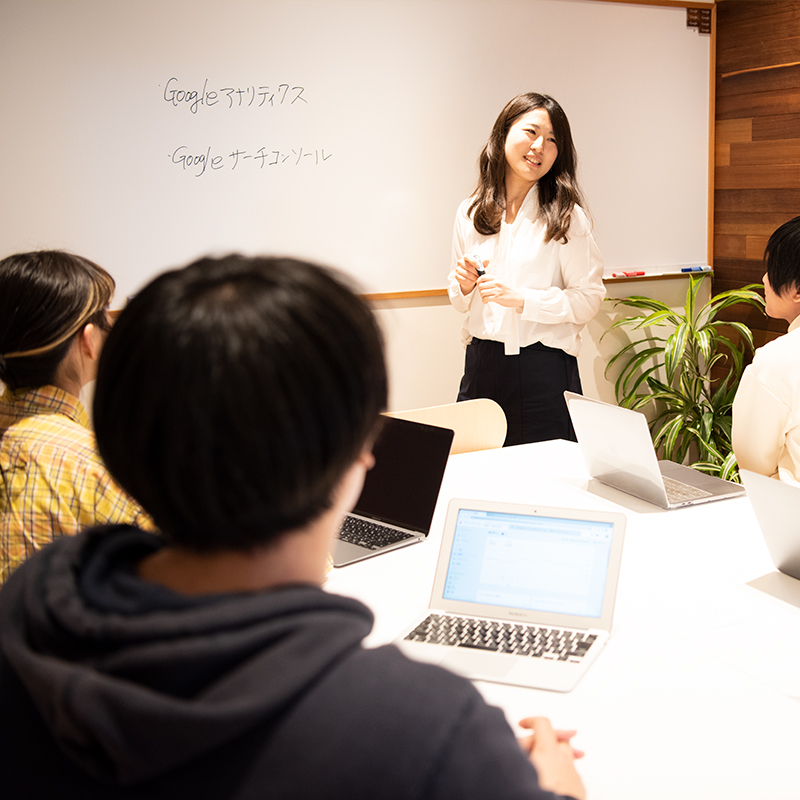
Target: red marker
{"type": "Point", "coordinates": [627, 274]}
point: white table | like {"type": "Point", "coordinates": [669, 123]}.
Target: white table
{"type": "Point", "coordinates": [677, 705]}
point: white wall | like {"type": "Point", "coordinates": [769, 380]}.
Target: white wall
{"type": "Point", "coordinates": [426, 358]}
{"type": "Point", "coordinates": [423, 350]}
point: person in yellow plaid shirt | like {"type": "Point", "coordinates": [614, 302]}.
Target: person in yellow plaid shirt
{"type": "Point", "coordinates": [53, 321]}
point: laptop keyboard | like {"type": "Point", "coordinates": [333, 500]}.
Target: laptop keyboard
{"type": "Point", "coordinates": [679, 492]}
{"type": "Point", "coordinates": [372, 535]}
{"type": "Point", "coordinates": [503, 637]}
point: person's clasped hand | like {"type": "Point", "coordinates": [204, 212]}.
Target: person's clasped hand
{"type": "Point", "coordinates": [493, 290]}
{"type": "Point", "coordinates": [467, 273]}
{"type": "Point", "coordinates": [553, 755]}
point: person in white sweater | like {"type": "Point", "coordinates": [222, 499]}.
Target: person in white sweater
{"type": "Point", "coordinates": [766, 409]}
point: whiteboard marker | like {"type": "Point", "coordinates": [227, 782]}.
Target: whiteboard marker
{"type": "Point", "coordinates": [478, 261]}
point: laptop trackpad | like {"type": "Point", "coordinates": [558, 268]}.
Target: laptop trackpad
{"type": "Point", "coordinates": [477, 664]}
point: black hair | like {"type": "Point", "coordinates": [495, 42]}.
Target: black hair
{"type": "Point", "coordinates": [782, 257]}
{"type": "Point", "coordinates": [232, 395]}
{"type": "Point", "coordinates": [46, 298]}
{"type": "Point", "coordinates": [558, 188]}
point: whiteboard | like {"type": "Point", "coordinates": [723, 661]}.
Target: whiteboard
{"type": "Point", "coordinates": [145, 133]}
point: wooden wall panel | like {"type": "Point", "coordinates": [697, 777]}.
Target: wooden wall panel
{"type": "Point", "coordinates": [778, 127]}
{"type": "Point", "coordinates": [779, 151]}
{"type": "Point", "coordinates": [759, 104]}
{"type": "Point", "coordinates": [779, 176]}
{"type": "Point", "coordinates": [757, 153]}
{"type": "Point", "coordinates": [734, 130]}
{"type": "Point", "coordinates": [756, 33]}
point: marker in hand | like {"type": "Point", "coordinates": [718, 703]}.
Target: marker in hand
{"type": "Point", "coordinates": [478, 264]}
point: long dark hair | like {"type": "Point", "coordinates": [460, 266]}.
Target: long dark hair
{"type": "Point", "coordinates": [233, 395]}
{"type": "Point", "coordinates": [46, 298]}
{"type": "Point", "coordinates": [558, 189]}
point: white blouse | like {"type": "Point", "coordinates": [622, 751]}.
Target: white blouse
{"type": "Point", "coordinates": [562, 283]}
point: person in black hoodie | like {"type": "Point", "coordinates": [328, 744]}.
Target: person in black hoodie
{"type": "Point", "coordinates": [237, 400]}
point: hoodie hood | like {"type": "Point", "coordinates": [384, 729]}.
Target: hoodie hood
{"type": "Point", "coordinates": [133, 680]}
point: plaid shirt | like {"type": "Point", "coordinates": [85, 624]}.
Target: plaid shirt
{"type": "Point", "coordinates": [53, 481]}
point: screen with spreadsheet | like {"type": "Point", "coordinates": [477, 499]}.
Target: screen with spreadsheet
{"type": "Point", "coordinates": [529, 562]}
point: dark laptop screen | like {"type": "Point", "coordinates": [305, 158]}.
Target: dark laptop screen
{"type": "Point", "coordinates": [403, 486]}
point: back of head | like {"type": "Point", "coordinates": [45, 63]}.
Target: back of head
{"type": "Point", "coordinates": [782, 257]}
{"type": "Point", "coordinates": [232, 396]}
{"type": "Point", "coordinates": [46, 298]}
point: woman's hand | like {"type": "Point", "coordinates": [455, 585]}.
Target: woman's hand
{"type": "Point", "coordinates": [467, 273]}
{"type": "Point", "coordinates": [553, 756]}
{"type": "Point", "coordinates": [493, 290]}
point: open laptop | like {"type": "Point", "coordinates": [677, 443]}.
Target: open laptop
{"type": "Point", "coordinates": [618, 451]}
{"type": "Point", "coordinates": [777, 509]}
{"type": "Point", "coordinates": [397, 502]}
{"type": "Point", "coordinates": [522, 595]}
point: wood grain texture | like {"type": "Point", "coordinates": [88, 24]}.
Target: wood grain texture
{"type": "Point", "coordinates": [778, 126]}
{"type": "Point", "coordinates": [759, 104]}
{"type": "Point", "coordinates": [756, 33]}
{"type": "Point", "coordinates": [778, 151]}
{"type": "Point", "coordinates": [784, 176]}
{"type": "Point", "coordinates": [730, 247]}
{"type": "Point", "coordinates": [758, 118]}
{"type": "Point", "coordinates": [748, 224]}
{"type": "Point", "coordinates": [733, 130]}
{"type": "Point", "coordinates": [782, 201]}
{"type": "Point", "coordinates": [755, 247]}
{"type": "Point", "coordinates": [722, 155]}
{"type": "Point", "coordinates": [765, 79]}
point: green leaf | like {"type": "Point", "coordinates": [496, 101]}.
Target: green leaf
{"type": "Point", "coordinates": [637, 301]}
{"type": "Point", "coordinates": [704, 340]}
{"type": "Point", "coordinates": [629, 390]}
{"type": "Point", "coordinates": [651, 351]}
{"type": "Point", "coordinates": [691, 297]}
{"type": "Point", "coordinates": [674, 350]}
{"type": "Point", "coordinates": [729, 469]}
{"type": "Point", "coordinates": [668, 436]}
{"type": "Point", "coordinates": [743, 330]}
{"type": "Point", "coordinates": [723, 300]}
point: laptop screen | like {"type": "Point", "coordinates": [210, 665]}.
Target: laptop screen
{"type": "Point", "coordinates": [529, 562]}
{"type": "Point", "coordinates": [403, 486]}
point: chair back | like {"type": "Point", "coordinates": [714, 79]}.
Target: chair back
{"type": "Point", "coordinates": [477, 424]}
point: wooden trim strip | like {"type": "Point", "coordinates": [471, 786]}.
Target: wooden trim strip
{"type": "Point", "coordinates": [406, 295]}
{"type": "Point", "coordinates": [664, 276]}
{"type": "Point", "coordinates": [380, 296]}
{"type": "Point", "coordinates": [758, 69]}
{"type": "Point", "coordinates": [443, 292]}
{"type": "Point", "coordinates": [675, 3]}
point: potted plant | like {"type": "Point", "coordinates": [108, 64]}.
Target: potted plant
{"type": "Point", "coordinates": [670, 364]}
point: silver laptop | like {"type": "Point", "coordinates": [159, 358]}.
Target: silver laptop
{"type": "Point", "coordinates": [618, 451]}
{"type": "Point", "coordinates": [399, 497]}
{"type": "Point", "coordinates": [522, 594]}
{"type": "Point", "coordinates": [777, 509]}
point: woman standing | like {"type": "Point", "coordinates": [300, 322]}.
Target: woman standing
{"type": "Point", "coordinates": [526, 271]}
{"type": "Point", "coordinates": [53, 321]}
